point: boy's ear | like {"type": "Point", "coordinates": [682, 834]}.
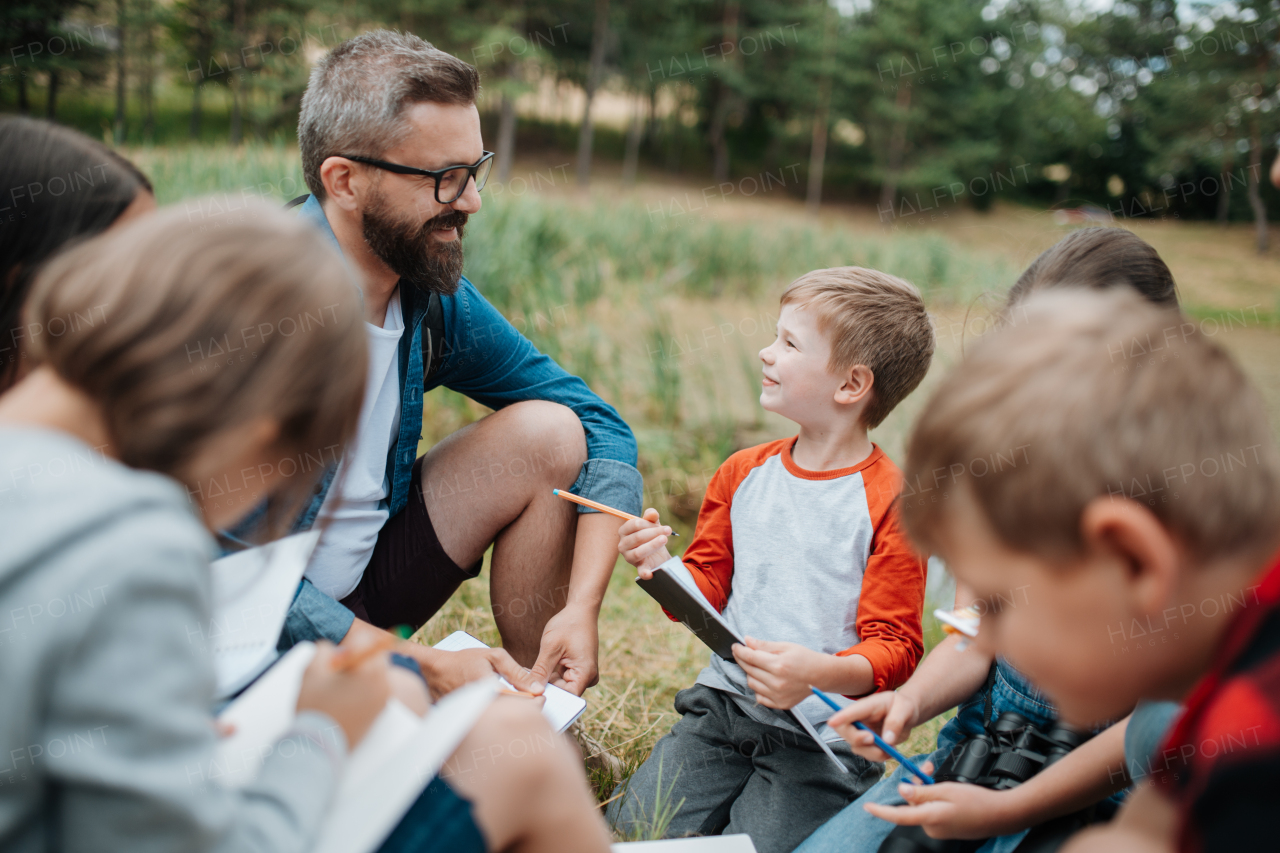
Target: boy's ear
{"type": "Point", "coordinates": [856, 387]}
{"type": "Point", "coordinates": [1128, 532]}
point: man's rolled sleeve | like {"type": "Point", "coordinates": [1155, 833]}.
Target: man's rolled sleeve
{"type": "Point", "coordinates": [611, 483]}
{"type": "Point", "coordinates": [314, 616]}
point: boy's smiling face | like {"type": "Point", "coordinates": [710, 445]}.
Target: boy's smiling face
{"type": "Point", "coordinates": [798, 382]}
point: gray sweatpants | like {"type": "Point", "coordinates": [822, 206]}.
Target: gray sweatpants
{"type": "Point", "coordinates": [720, 772]}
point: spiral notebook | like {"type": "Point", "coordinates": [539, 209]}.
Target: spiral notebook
{"type": "Point", "coordinates": [252, 591]}
{"type": "Point", "coordinates": [384, 774]}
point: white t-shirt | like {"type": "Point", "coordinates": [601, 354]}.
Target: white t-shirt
{"type": "Point", "coordinates": [360, 511]}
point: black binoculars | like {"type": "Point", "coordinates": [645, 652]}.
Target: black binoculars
{"type": "Point", "coordinates": [1008, 752]}
{"type": "Point", "coordinates": [1005, 754]}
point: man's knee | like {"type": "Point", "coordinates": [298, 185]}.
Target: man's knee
{"type": "Point", "coordinates": [556, 442]}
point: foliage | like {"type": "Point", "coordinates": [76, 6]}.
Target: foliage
{"type": "Point", "coordinates": [1146, 108]}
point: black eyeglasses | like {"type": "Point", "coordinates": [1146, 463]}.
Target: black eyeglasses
{"type": "Point", "coordinates": [451, 181]}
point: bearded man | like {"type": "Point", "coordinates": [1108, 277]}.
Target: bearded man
{"type": "Point", "coordinates": [393, 156]}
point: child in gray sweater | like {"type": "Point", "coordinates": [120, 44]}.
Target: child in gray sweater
{"type": "Point", "coordinates": [167, 391]}
{"type": "Point", "coordinates": [104, 574]}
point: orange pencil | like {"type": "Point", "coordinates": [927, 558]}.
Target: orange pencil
{"type": "Point", "coordinates": [610, 510]}
{"type": "Point", "coordinates": [348, 659]}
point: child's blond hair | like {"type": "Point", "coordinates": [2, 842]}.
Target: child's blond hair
{"type": "Point", "coordinates": [874, 319]}
{"type": "Point", "coordinates": [1093, 395]}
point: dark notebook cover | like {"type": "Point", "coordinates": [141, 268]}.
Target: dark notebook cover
{"type": "Point", "coordinates": [667, 590]}
{"type": "Point", "coordinates": [707, 624]}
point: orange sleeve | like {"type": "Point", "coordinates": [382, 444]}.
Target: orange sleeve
{"type": "Point", "coordinates": [891, 604]}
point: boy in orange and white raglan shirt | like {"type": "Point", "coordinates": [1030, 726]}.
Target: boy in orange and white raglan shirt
{"type": "Point", "coordinates": [799, 546]}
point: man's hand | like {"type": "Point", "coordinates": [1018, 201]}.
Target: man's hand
{"type": "Point", "coordinates": [780, 673]}
{"type": "Point", "coordinates": [891, 715]}
{"type": "Point", "coordinates": [953, 810]}
{"type": "Point", "coordinates": [447, 671]}
{"type": "Point", "coordinates": [643, 542]}
{"type": "Point", "coordinates": [567, 656]}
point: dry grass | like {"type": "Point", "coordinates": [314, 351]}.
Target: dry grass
{"type": "Point", "coordinates": [644, 658]}
{"type": "Point", "coordinates": [671, 338]}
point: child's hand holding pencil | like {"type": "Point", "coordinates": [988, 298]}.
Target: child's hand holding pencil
{"type": "Point", "coordinates": [643, 542]}
{"type": "Point", "coordinates": [350, 685]}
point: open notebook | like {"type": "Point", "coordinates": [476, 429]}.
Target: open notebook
{"type": "Point", "coordinates": [561, 707]}
{"type": "Point", "coordinates": [252, 591]}
{"type": "Point", "coordinates": [710, 844]}
{"type": "Point", "coordinates": [675, 589]}
{"type": "Point", "coordinates": [384, 774]}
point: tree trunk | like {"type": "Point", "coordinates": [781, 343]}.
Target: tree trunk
{"type": "Point", "coordinates": [1224, 197]}
{"type": "Point", "coordinates": [675, 134]}
{"type": "Point", "coordinates": [237, 79]}
{"type": "Point", "coordinates": [897, 152]}
{"type": "Point", "coordinates": [599, 36]}
{"type": "Point", "coordinates": [631, 157]}
{"type": "Point", "coordinates": [817, 160]}
{"type": "Point", "coordinates": [24, 106]}
{"type": "Point", "coordinates": [506, 152]}
{"type": "Point", "coordinates": [237, 122]}
{"type": "Point", "coordinates": [195, 110]}
{"type": "Point", "coordinates": [149, 77]}
{"type": "Point", "coordinates": [651, 128]}
{"type": "Point", "coordinates": [724, 100]}
{"type": "Point", "coordinates": [715, 135]}
{"type": "Point", "coordinates": [1255, 174]}
{"type": "Point", "coordinates": [121, 27]}
{"type": "Point", "coordinates": [51, 105]}
{"type": "Point", "coordinates": [821, 117]}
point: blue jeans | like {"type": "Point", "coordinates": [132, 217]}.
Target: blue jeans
{"type": "Point", "coordinates": [854, 830]}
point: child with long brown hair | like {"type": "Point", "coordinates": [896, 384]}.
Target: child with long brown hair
{"type": "Point", "coordinates": [190, 370]}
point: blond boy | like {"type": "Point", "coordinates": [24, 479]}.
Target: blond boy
{"type": "Point", "coordinates": [798, 545]}
{"type": "Point", "coordinates": [1139, 534]}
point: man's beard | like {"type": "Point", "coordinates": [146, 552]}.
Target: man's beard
{"type": "Point", "coordinates": [410, 250]}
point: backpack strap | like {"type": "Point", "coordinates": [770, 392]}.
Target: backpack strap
{"type": "Point", "coordinates": [433, 342]}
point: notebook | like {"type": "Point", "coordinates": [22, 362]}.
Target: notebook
{"type": "Point", "coordinates": [384, 774]}
{"type": "Point", "coordinates": [675, 589]}
{"type": "Point", "coordinates": [739, 843]}
{"type": "Point", "coordinates": [561, 707]}
{"type": "Point", "coordinates": [252, 591]}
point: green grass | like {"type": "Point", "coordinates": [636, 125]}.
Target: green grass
{"type": "Point", "coordinates": [663, 318]}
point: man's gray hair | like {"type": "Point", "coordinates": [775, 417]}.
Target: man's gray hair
{"type": "Point", "coordinates": [358, 93]}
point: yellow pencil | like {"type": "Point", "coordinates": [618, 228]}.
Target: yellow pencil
{"type": "Point", "coordinates": [610, 510]}
{"type": "Point", "coordinates": [348, 659]}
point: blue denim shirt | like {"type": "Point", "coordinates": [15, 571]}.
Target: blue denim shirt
{"type": "Point", "coordinates": [487, 359]}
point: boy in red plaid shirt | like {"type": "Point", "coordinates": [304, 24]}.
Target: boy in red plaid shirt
{"type": "Point", "coordinates": [1130, 555]}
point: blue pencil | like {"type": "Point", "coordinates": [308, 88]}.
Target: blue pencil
{"type": "Point", "coordinates": [880, 742]}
